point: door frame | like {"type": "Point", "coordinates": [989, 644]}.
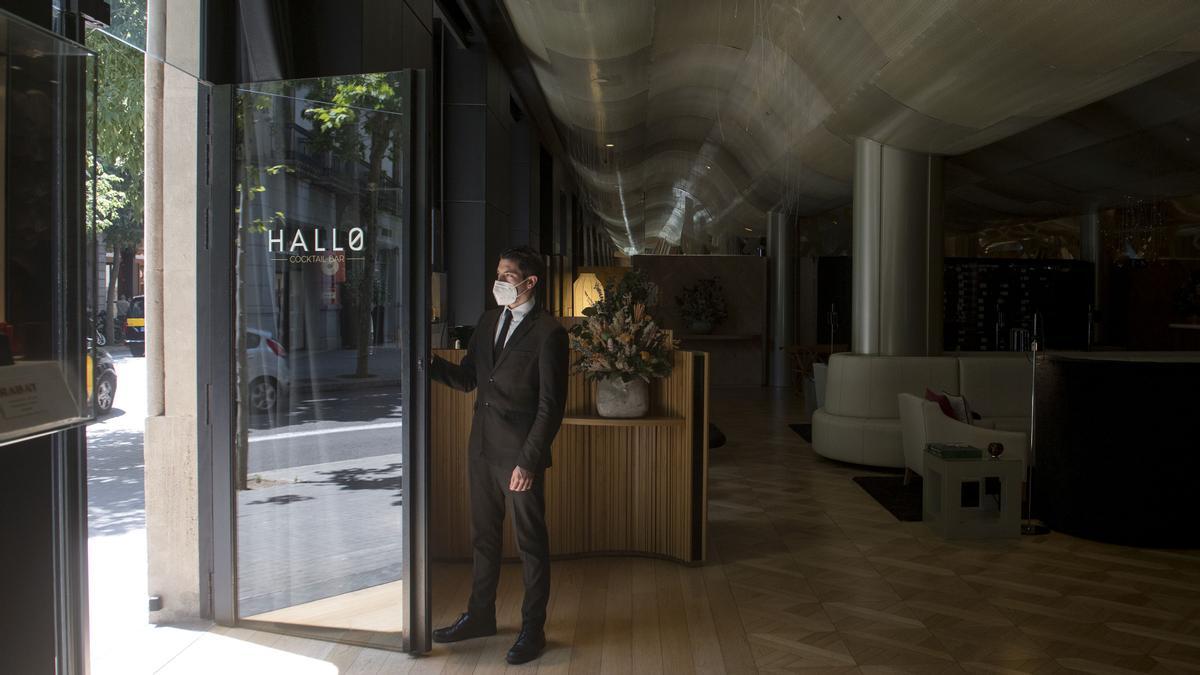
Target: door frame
{"type": "Point", "coordinates": [216, 257]}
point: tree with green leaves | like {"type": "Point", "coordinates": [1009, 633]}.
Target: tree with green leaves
{"type": "Point", "coordinates": [120, 142]}
{"type": "Point", "coordinates": [254, 215]}
{"type": "Point", "coordinates": [359, 120]}
{"type": "Point", "coordinates": [104, 209]}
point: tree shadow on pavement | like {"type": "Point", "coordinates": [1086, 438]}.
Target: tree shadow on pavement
{"type": "Point", "coordinates": [116, 481]}
{"type": "Point", "coordinates": [283, 499]}
{"type": "Point", "coordinates": [380, 478]}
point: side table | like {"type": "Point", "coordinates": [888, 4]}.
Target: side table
{"type": "Point", "coordinates": [972, 498]}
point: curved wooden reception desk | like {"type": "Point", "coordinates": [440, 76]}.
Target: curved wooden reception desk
{"type": "Point", "coordinates": [620, 486]}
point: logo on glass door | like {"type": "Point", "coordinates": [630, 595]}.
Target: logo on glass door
{"type": "Point", "coordinates": [316, 245]}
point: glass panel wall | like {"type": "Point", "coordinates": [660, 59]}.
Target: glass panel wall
{"type": "Point", "coordinates": [321, 195]}
{"type": "Point", "coordinates": [45, 83]}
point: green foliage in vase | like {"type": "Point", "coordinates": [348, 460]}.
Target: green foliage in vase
{"type": "Point", "coordinates": [618, 337]}
{"type": "Point", "coordinates": [703, 303]}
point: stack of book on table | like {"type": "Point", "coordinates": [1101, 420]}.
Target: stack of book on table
{"type": "Point", "coordinates": [954, 451]}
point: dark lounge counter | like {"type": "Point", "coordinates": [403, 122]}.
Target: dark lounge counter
{"type": "Point", "coordinates": [1117, 439]}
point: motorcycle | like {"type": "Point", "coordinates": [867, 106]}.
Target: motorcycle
{"type": "Point", "coordinates": [101, 335]}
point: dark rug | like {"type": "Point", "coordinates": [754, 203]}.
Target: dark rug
{"type": "Point", "coordinates": [805, 431]}
{"type": "Point", "coordinates": [716, 438]}
{"type": "Point", "coordinates": [902, 501]}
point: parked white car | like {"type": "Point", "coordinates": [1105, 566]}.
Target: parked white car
{"type": "Point", "coordinates": [267, 371]}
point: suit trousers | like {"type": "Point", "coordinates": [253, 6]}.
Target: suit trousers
{"type": "Point", "coordinates": [489, 486]}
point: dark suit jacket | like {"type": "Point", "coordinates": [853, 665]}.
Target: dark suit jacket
{"type": "Point", "coordinates": [521, 396]}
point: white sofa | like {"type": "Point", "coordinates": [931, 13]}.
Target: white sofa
{"type": "Point", "coordinates": [859, 421]}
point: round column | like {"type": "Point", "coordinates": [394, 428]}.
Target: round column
{"type": "Point", "coordinates": [896, 306]}
{"type": "Point", "coordinates": [780, 245]}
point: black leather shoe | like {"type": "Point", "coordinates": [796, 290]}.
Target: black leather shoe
{"type": "Point", "coordinates": [465, 628]}
{"type": "Point", "coordinates": [529, 646]}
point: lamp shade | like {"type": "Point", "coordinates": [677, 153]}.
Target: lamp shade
{"type": "Point", "coordinates": [587, 290]}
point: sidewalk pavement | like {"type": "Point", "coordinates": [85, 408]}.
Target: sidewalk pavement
{"type": "Point", "coordinates": [306, 532]}
{"type": "Point", "coordinates": [312, 532]}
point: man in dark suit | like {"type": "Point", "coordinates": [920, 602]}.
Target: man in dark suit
{"type": "Point", "coordinates": [517, 359]}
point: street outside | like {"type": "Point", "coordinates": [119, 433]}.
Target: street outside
{"type": "Point", "coordinates": [322, 515]}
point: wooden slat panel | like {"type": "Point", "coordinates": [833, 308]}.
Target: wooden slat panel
{"type": "Point", "coordinates": [597, 421]}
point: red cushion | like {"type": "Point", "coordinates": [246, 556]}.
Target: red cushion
{"type": "Point", "coordinates": [943, 403]}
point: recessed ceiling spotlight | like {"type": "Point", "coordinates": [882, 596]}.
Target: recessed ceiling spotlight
{"type": "Point", "coordinates": [708, 166]}
{"type": "Point", "coordinates": [749, 229]}
{"type": "Point", "coordinates": [609, 145]}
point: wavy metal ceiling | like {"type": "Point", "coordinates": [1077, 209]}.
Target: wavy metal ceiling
{"type": "Point", "coordinates": [696, 117]}
{"type": "Point", "coordinates": [1142, 143]}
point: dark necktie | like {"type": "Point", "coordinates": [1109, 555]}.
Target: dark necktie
{"type": "Point", "coordinates": [499, 346]}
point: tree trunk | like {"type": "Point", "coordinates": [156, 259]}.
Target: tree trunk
{"type": "Point", "coordinates": [242, 411]}
{"type": "Point", "coordinates": [110, 301]}
{"type": "Point", "coordinates": [381, 137]}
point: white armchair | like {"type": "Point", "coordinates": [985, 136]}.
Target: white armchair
{"type": "Point", "coordinates": [820, 371]}
{"type": "Point", "coordinates": [923, 422]}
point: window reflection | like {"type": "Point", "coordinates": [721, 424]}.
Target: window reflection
{"type": "Point", "coordinates": [44, 82]}
{"type": "Point", "coordinates": [320, 205]}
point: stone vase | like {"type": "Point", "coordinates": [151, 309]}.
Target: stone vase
{"type": "Point", "coordinates": [615, 398]}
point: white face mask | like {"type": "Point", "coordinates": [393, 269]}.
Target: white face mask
{"type": "Point", "coordinates": [504, 292]}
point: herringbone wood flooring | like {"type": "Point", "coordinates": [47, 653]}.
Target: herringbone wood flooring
{"type": "Point", "coordinates": [808, 574]}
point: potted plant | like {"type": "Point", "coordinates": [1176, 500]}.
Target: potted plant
{"type": "Point", "coordinates": [702, 305]}
{"type": "Point", "coordinates": [621, 348]}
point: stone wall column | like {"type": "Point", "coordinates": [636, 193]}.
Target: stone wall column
{"type": "Point", "coordinates": [172, 230]}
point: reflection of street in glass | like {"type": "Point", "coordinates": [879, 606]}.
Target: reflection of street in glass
{"type": "Point", "coordinates": [318, 531]}
{"type": "Point", "coordinates": [326, 471]}
{"type": "Point", "coordinates": [320, 279]}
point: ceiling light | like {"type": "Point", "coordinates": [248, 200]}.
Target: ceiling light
{"type": "Point", "coordinates": [601, 80]}
{"type": "Point", "coordinates": [748, 229]}
{"type": "Point", "coordinates": [609, 145]}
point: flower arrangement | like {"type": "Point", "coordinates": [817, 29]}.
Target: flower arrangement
{"type": "Point", "coordinates": [618, 337]}
{"type": "Point", "coordinates": [703, 305]}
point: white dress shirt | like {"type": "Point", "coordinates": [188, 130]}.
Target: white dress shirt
{"type": "Point", "coordinates": [518, 314]}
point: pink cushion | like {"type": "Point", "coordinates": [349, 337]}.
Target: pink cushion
{"type": "Point", "coordinates": [955, 407]}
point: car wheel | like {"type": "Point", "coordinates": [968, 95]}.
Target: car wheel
{"type": "Point", "coordinates": [106, 391]}
{"type": "Point", "coordinates": [264, 394]}
{"type": "Point", "coordinates": [137, 350]}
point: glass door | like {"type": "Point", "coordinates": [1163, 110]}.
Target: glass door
{"type": "Point", "coordinates": [327, 329]}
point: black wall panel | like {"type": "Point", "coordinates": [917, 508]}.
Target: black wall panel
{"type": "Point", "coordinates": [262, 40]}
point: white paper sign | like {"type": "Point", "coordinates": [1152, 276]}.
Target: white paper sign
{"type": "Point", "coordinates": [34, 394]}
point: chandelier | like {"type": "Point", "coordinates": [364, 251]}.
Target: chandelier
{"type": "Point", "coordinates": [1130, 234]}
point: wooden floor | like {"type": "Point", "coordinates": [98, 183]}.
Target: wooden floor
{"type": "Point", "coordinates": [376, 609]}
{"type": "Point", "coordinates": [808, 574]}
